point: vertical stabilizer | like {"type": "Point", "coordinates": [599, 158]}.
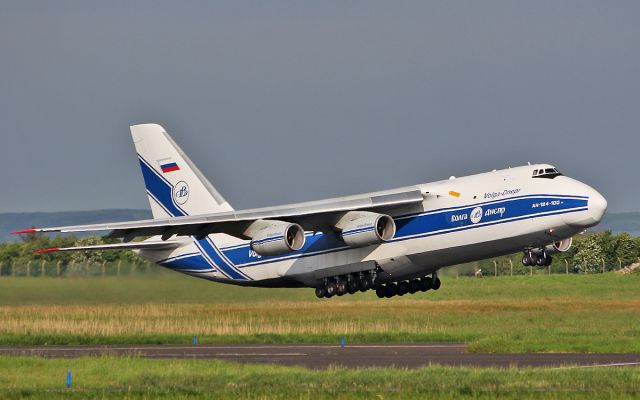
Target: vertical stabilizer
{"type": "Point", "coordinates": [175, 186]}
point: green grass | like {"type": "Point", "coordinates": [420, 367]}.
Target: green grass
{"type": "Point", "coordinates": [593, 313]}
{"type": "Point", "coordinates": [168, 287]}
{"type": "Point", "coordinates": [558, 313]}
{"type": "Point", "coordinates": [105, 377]}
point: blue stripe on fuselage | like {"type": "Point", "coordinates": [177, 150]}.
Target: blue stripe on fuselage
{"type": "Point", "coordinates": [192, 263]}
{"type": "Point", "coordinates": [427, 224]}
{"type": "Point", "coordinates": [215, 257]}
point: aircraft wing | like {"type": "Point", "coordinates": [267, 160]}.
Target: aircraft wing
{"type": "Point", "coordinates": [312, 216]}
{"type": "Point", "coordinates": [150, 245]}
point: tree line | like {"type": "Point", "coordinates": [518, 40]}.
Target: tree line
{"type": "Point", "coordinates": [593, 252]}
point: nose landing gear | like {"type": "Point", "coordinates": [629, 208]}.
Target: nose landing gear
{"type": "Point", "coordinates": [540, 259]}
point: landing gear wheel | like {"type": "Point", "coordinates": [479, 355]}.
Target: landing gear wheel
{"type": "Point", "coordinates": [331, 289]}
{"type": "Point", "coordinates": [389, 290]}
{"type": "Point", "coordinates": [425, 284]}
{"type": "Point", "coordinates": [548, 260]}
{"type": "Point", "coordinates": [365, 283]}
{"type": "Point", "coordinates": [402, 288]}
{"type": "Point", "coordinates": [353, 286]}
{"type": "Point", "coordinates": [527, 261]}
{"type": "Point", "coordinates": [321, 291]}
{"type": "Point", "coordinates": [435, 282]}
{"type": "Point", "coordinates": [540, 261]}
{"type": "Point", "coordinates": [380, 292]}
{"type": "Point", "coordinates": [414, 286]}
{"type": "Point", "coordinates": [341, 288]}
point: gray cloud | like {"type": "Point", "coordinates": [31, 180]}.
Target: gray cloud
{"type": "Point", "coordinates": [285, 101]}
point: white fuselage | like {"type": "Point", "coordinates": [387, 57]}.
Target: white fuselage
{"type": "Point", "coordinates": [460, 220]}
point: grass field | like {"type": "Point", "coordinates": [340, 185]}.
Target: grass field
{"type": "Point", "coordinates": [132, 378]}
{"type": "Point", "coordinates": [583, 313]}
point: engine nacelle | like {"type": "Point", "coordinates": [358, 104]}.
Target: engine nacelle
{"type": "Point", "coordinates": [558, 247]}
{"type": "Point", "coordinates": [363, 228]}
{"type": "Point", "coordinates": [270, 238]}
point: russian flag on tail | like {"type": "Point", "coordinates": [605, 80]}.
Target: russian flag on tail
{"type": "Point", "coordinates": [169, 167]}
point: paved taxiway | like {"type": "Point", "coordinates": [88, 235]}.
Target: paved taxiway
{"type": "Point", "coordinates": [323, 356]}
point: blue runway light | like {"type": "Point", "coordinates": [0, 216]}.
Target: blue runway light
{"type": "Point", "coordinates": [68, 379]}
{"type": "Point", "coordinates": [342, 342]}
{"type": "Point", "coordinates": [195, 340]}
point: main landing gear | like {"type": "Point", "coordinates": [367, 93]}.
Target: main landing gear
{"type": "Point", "coordinates": [363, 281]}
{"type": "Point", "coordinates": [343, 284]}
{"type": "Point", "coordinates": [541, 259]}
{"type": "Point", "coordinates": [412, 286]}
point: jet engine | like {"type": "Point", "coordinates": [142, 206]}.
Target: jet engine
{"type": "Point", "coordinates": [558, 247]}
{"type": "Point", "coordinates": [363, 228]}
{"type": "Point", "coordinates": [270, 238]}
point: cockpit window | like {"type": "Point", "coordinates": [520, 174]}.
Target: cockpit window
{"type": "Point", "coordinates": [548, 173]}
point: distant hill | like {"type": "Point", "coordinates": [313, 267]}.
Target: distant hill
{"type": "Point", "coordinates": [10, 222]}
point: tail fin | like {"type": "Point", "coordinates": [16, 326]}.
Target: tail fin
{"type": "Point", "coordinates": [175, 186]}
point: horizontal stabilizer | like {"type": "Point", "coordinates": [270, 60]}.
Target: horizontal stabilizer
{"type": "Point", "coordinates": [156, 245]}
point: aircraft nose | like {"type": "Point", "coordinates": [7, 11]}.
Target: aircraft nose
{"type": "Point", "coordinates": [597, 205]}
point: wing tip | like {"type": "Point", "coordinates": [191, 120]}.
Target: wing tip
{"type": "Point", "coordinates": [49, 250]}
{"type": "Point", "coordinates": [22, 232]}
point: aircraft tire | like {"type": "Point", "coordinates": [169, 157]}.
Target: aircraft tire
{"type": "Point", "coordinates": [380, 292]}
{"type": "Point", "coordinates": [341, 288]}
{"type": "Point", "coordinates": [425, 284]}
{"type": "Point", "coordinates": [541, 261]}
{"type": "Point", "coordinates": [390, 290]}
{"type": "Point", "coordinates": [365, 283]}
{"type": "Point", "coordinates": [414, 286]}
{"type": "Point", "coordinates": [402, 288]}
{"type": "Point", "coordinates": [435, 283]}
{"type": "Point", "coordinates": [548, 260]}
{"type": "Point", "coordinates": [321, 292]}
{"type": "Point", "coordinates": [353, 285]}
{"type": "Point", "coordinates": [331, 289]}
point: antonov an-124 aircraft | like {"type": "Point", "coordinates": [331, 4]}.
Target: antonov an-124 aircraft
{"type": "Point", "coordinates": [392, 241]}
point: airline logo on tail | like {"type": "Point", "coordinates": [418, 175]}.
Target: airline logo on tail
{"type": "Point", "coordinates": [181, 192]}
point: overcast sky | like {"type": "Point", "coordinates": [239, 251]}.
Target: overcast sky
{"type": "Point", "coordinates": [280, 102]}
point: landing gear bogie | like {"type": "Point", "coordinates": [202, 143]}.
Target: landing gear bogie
{"type": "Point", "coordinates": [530, 259]}
{"type": "Point", "coordinates": [341, 285]}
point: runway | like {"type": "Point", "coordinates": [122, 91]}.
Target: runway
{"type": "Point", "coordinates": [324, 356]}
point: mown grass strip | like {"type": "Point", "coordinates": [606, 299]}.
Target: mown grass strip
{"type": "Point", "coordinates": [143, 378]}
